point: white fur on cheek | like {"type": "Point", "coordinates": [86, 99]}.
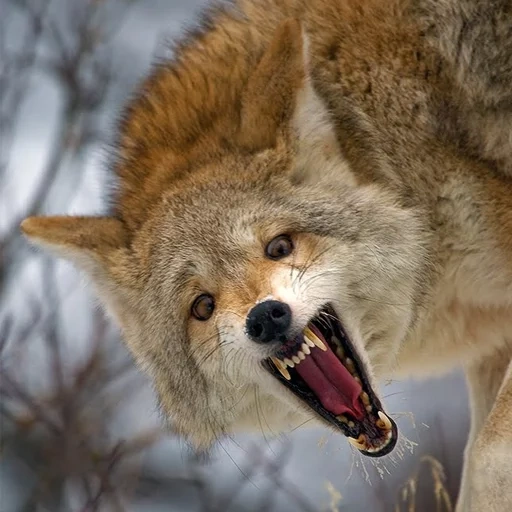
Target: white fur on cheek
{"type": "Point", "coordinates": [241, 356]}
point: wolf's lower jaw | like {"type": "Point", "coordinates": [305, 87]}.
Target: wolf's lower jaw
{"type": "Point", "coordinates": [321, 367]}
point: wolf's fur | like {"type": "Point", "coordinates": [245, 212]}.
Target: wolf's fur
{"type": "Point", "coordinates": [378, 135]}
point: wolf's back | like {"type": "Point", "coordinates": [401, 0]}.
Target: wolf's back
{"type": "Point", "coordinates": [475, 38]}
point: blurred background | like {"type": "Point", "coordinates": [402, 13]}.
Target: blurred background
{"type": "Point", "coordinates": [79, 428]}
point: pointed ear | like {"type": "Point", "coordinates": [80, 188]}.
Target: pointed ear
{"type": "Point", "coordinates": [92, 243]}
{"type": "Point", "coordinates": [269, 100]}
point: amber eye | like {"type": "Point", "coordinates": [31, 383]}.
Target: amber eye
{"type": "Point", "coordinates": [203, 307]}
{"type": "Point", "coordinates": [280, 247]}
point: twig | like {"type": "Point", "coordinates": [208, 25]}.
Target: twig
{"type": "Point", "coordinates": [36, 13]}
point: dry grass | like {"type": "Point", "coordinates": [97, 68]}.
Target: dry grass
{"type": "Point", "coordinates": [61, 434]}
{"type": "Point", "coordinates": [408, 498]}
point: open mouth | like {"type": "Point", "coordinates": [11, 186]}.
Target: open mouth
{"type": "Point", "coordinates": [322, 367]}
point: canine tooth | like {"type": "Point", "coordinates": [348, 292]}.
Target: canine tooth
{"type": "Point", "coordinates": [365, 398]}
{"type": "Point", "coordinates": [359, 443]}
{"type": "Point", "coordinates": [309, 334]}
{"type": "Point", "coordinates": [278, 362]}
{"type": "Point", "coordinates": [289, 362]}
{"type": "Point", "coordinates": [281, 367]}
{"type": "Point", "coordinates": [295, 359]}
{"type": "Point", "coordinates": [301, 355]}
{"type": "Point", "coordinates": [353, 442]}
{"type": "Point", "coordinates": [305, 349]}
{"type": "Point", "coordinates": [384, 422]}
{"type": "Point", "coordinates": [285, 373]}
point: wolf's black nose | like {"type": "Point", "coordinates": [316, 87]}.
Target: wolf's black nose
{"type": "Point", "coordinates": [269, 321]}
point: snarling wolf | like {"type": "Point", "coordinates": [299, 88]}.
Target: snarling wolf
{"type": "Point", "coordinates": [314, 195]}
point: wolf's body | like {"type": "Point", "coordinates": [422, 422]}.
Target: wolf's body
{"type": "Point", "coordinates": [379, 134]}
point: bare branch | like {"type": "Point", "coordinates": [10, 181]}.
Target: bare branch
{"type": "Point", "coordinates": [16, 72]}
{"type": "Point", "coordinates": [81, 63]}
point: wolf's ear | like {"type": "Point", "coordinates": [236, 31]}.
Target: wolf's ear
{"type": "Point", "coordinates": [270, 97]}
{"type": "Point", "coordinates": [94, 244]}
{"type": "Point", "coordinates": [280, 99]}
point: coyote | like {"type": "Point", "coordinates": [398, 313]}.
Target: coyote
{"type": "Point", "coordinates": [313, 196]}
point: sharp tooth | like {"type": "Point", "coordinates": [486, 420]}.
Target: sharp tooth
{"type": "Point", "coordinates": [285, 373]}
{"type": "Point", "coordinates": [309, 343]}
{"type": "Point", "coordinates": [305, 349]}
{"type": "Point", "coordinates": [309, 334]}
{"type": "Point", "coordinates": [295, 359]}
{"type": "Point", "coordinates": [301, 355]}
{"type": "Point", "coordinates": [359, 443]}
{"type": "Point", "coordinates": [365, 398]}
{"type": "Point", "coordinates": [384, 422]}
{"type": "Point", "coordinates": [349, 364]}
{"type": "Point", "coordinates": [281, 367]}
{"type": "Point", "coordinates": [354, 443]}
{"type": "Point", "coordinates": [289, 362]}
{"type": "Point", "coordinates": [278, 362]}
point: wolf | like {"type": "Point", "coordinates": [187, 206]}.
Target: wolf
{"type": "Point", "coordinates": [313, 196]}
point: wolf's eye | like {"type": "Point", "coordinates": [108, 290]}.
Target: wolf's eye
{"type": "Point", "coordinates": [203, 307]}
{"type": "Point", "coordinates": [280, 247]}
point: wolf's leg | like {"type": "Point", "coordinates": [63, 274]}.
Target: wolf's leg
{"type": "Point", "coordinates": [487, 476]}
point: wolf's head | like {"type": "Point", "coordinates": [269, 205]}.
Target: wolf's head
{"type": "Point", "coordinates": [249, 268]}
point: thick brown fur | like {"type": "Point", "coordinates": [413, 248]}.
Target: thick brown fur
{"type": "Point", "coordinates": [377, 134]}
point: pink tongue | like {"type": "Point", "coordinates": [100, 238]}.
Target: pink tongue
{"type": "Point", "coordinates": [331, 382]}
